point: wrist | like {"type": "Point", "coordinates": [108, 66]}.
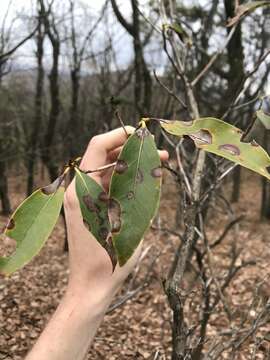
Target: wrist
{"type": "Point", "coordinates": [91, 301]}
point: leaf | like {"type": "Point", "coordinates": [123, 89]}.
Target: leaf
{"type": "Point", "coordinates": [264, 118]}
{"type": "Point", "coordinates": [245, 9]}
{"type": "Point", "coordinates": [218, 137]}
{"type": "Point", "coordinates": [31, 225]}
{"type": "Point", "coordinates": [134, 192]}
{"type": "Point", "coordinates": [181, 32]}
{"type": "Point", "coordinates": [94, 208]}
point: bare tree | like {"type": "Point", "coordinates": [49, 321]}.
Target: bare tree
{"type": "Point", "coordinates": [143, 81]}
{"type": "Point", "coordinates": [52, 31]}
{"type": "Point", "coordinates": [34, 141]}
{"type": "Point", "coordinates": [7, 49]}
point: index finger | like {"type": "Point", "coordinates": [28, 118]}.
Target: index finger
{"type": "Point", "coordinates": [100, 145]}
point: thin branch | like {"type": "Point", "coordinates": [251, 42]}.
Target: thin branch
{"type": "Point", "coordinates": [6, 55]}
{"type": "Point", "coordinates": [105, 167]}
{"type": "Point", "coordinates": [118, 116]}
{"type": "Point", "coordinates": [214, 58]}
{"type": "Point", "coordinates": [170, 92]}
{"type": "Point", "coordinates": [241, 88]}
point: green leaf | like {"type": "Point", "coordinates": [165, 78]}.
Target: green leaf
{"type": "Point", "coordinates": [218, 137]}
{"type": "Point", "coordinates": [264, 118]}
{"type": "Point", "coordinates": [134, 192]}
{"type": "Point", "coordinates": [94, 209]}
{"type": "Point", "coordinates": [181, 32]}
{"type": "Point", "coordinates": [245, 9]}
{"type": "Point", "coordinates": [31, 225]}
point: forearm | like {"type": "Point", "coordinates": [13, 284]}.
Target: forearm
{"type": "Point", "coordinates": [70, 331]}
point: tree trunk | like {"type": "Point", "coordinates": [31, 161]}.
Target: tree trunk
{"type": "Point", "coordinates": [38, 110]}
{"type": "Point", "coordinates": [265, 205]}
{"type": "Point", "coordinates": [6, 208]}
{"type": "Point", "coordinates": [235, 76]}
{"type": "Point", "coordinates": [48, 153]}
{"type": "Point", "coordinates": [236, 184]}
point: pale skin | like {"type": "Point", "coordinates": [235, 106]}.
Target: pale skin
{"type": "Point", "coordinates": [91, 286]}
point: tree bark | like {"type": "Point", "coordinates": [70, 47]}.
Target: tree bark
{"type": "Point", "coordinates": [143, 80]}
{"type": "Point", "coordinates": [265, 204]}
{"type": "Point", "coordinates": [38, 107]}
{"type": "Point", "coordinates": [6, 207]}
{"type": "Point", "coordinates": [235, 76]}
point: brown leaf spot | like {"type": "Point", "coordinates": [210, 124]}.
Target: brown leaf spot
{"type": "Point", "coordinates": [139, 176]}
{"type": "Point", "coordinates": [121, 166]}
{"type": "Point", "coordinates": [268, 169]}
{"type": "Point", "coordinates": [99, 220]}
{"type": "Point", "coordinates": [142, 132]}
{"type": "Point", "coordinates": [90, 204]}
{"type": "Point", "coordinates": [114, 211]}
{"type": "Point", "coordinates": [50, 189]}
{"type": "Point", "coordinates": [254, 143]}
{"type": "Point", "coordinates": [87, 225]}
{"type": "Point", "coordinates": [103, 196]}
{"type": "Point", "coordinates": [103, 233]}
{"type": "Point", "coordinates": [156, 172]}
{"type": "Point", "coordinates": [232, 149]}
{"type": "Point", "coordinates": [108, 246]}
{"type": "Point", "coordinates": [202, 137]}
{"type": "Point", "coordinates": [130, 195]}
{"type": "Point", "coordinates": [11, 224]}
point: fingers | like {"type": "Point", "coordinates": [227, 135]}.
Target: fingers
{"type": "Point", "coordinates": [113, 155]}
{"type": "Point", "coordinates": [98, 148]}
{"type": "Point", "coordinates": [106, 148]}
{"type": "Point", "coordinates": [163, 154]}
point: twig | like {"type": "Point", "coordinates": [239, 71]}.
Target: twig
{"type": "Point", "coordinates": [169, 91]}
{"type": "Point", "coordinates": [105, 167]}
{"type": "Point", "coordinates": [241, 88]}
{"type": "Point", "coordinates": [131, 293]}
{"type": "Point", "coordinates": [225, 231]}
{"type": "Point", "coordinates": [213, 58]}
{"type": "Point", "coordinates": [117, 114]}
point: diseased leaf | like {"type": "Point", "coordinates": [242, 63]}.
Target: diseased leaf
{"type": "Point", "coordinates": [94, 208]}
{"type": "Point", "coordinates": [31, 225]}
{"type": "Point", "coordinates": [134, 192]}
{"type": "Point", "coordinates": [216, 136]}
{"type": "Point", "coordinates": [264, 118]}
{"type": "Point", "coordinates": [245, 9]}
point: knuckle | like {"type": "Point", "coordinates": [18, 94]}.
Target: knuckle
{"type": "Point", "coordinates": [95, 141]}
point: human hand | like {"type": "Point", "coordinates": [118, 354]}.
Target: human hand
{"type": "Point", "coordinates": [92, 285]}
{"type": "Point", "coordinates": [90, 265]}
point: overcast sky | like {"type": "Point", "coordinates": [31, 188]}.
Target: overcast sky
{"type": "Point", "coordinates": [24, 56]}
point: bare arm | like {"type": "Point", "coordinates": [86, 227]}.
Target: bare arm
{"type": "Point", "coordinates": [92, 285]}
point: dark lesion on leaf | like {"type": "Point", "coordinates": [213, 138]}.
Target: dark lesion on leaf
{"type": "Point", "coordinates": [230, 148]}
{"type": "Point", "coordinates": [121, 166]}
{"type": "Point", "coordinates": [142, 132]}
{"type": "Point", "coordinates": [254, 143]}
{"type": "Point", "coordinates": [108, 246]}
{"type": "Point", "coordinates": [130, 195]}
{"type": "Point", "coordinates": [103, 233]}
{"type": "Point", "coordinates": [90, 203]}
{"type": "Point", "coordinates": [87, 225]}
{"type": "Point", "coordinates": [139, 176]}
{"type": "Point", "coordinates": [114, 211]}
{"type": "Point", "coordinates": [10, 224]}
{"type": "Point", "coordinates": [156, 172]}
{"type": "Point", "coordinates": [103, 196]}
{"type": "Point", "coordinates": [53, 187]}
{"type": "Point", "coordinates": [268, 169]}
{"type": "Point", "coordinates": [202, 137]}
